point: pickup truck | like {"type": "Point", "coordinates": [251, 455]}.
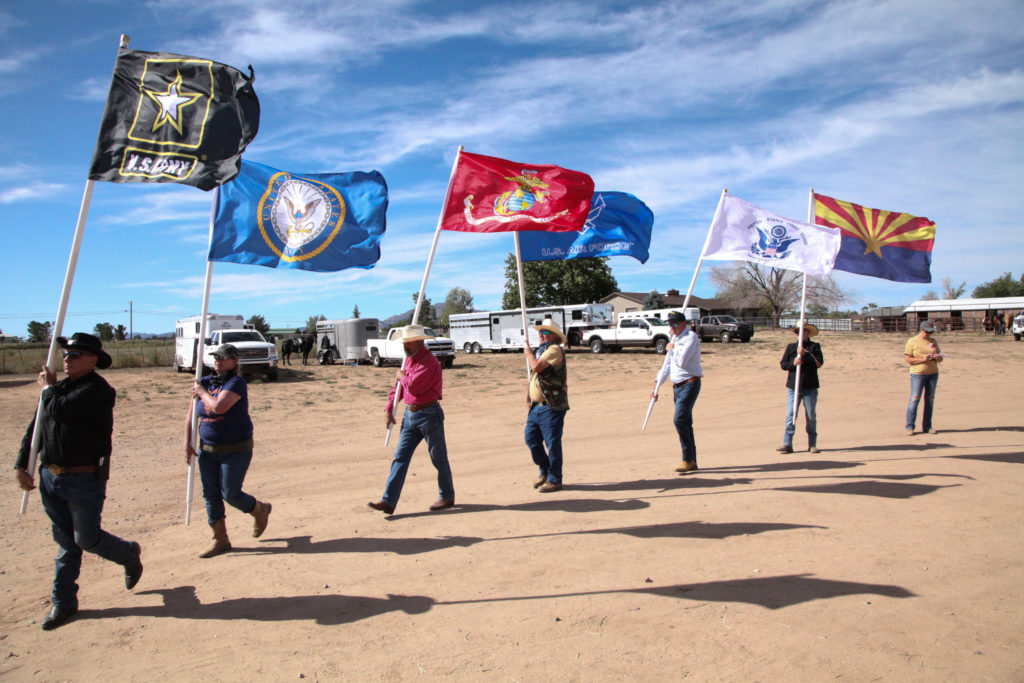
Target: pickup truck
{"type": "Point", "coordinates": [645, 332]}
{"type": "Point", "coordinates": [724, 327]}
{"type": "Point", "coordinates": [390, 350]}
{"type": "Point", "coordinates": [254, 352]}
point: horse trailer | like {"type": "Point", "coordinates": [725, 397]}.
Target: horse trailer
{"type": "Point", "coordinates": [345, 340]}
{"type": "Point", "coordinates": [503, 330]}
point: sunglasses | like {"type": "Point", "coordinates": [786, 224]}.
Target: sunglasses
{"type": "Point", "coordinates": [72, 355]}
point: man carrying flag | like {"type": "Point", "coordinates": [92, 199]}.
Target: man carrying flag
{"type": "Point", "coordinates": [682, 365]}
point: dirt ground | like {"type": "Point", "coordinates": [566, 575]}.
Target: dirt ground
{"type": "Point", "coordinates": [885, 557]}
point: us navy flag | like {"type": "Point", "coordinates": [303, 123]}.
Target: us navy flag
{"type": "Point", "coordinates": [174, 119]}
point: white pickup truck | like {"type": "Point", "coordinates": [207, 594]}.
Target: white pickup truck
{"type": "Point", "coordinates": [254, 352]}
{"type": "Point", "coordinates": [633, 331]}
{"type": "Point", "coordinates": [390, 350]}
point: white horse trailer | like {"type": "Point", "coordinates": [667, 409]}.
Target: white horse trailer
{"type": "Point", "coordinates": [503, 330]}
{"type": "Point", "coordinates": [345, 340]}
{"type": "Point", "coordinates": [186, 336]}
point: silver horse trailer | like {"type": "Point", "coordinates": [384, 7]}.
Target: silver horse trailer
{"type": "Point", "coordinates": [343, 341]}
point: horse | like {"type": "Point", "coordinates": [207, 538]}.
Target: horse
{"type": "Point", "coordinates": [288, 347]}
{"type": "Point", "coordinates": [307, 346]}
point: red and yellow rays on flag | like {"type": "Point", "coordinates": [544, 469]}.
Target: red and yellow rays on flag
{"type": "Point", "coordinates": [886, 244]}
{"type": "Point", "coordinates": [875, 227]}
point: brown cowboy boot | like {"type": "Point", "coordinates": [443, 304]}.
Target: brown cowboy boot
{"type": "Point", "coordinates": [221, 544]}
{"type": "Point", "coordinates": [260, 517]}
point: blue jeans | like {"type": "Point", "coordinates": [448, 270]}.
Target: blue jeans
{"type": "Point", "coordinates": [809, 397]}
{"type": "Point", "coordinates": [922, 384]}
{"type": "Point", "coordinates": [426, 424]}
{"type": "Point", "coordinates": [685, 396]}
{"type": "Point", "coordinates": [74, 504]}
{"type": "Point", "coordinates": [544, 428]}
{"type": "Point", "coordinates": [222, 475]}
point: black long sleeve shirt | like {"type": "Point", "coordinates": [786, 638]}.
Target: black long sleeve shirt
{"type": "Point", "coordinates": [77, 424]}
{"type": "Point", "coordinates": [808, 370]}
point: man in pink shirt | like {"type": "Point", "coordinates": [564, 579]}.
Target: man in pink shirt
{"type": "Point", "coordinates": [420, 380]}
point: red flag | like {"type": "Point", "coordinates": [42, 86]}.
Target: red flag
{"type": "Point", "coordinates": [496, 195]}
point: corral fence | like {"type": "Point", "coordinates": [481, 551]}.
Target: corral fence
{"type": "Point", "coordinates": [887, 324]}
{"type": "Point", "coordinates": [17, 359]}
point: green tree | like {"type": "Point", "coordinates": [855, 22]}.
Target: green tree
{"type": "Point", "coordinates": [1003, 285]}
{"type": "Point", "coordinates": [428, 314]}
{"type": "Point", "coordinates": [39, 332]}
{"type": "Point", "coordinates": [355, 311]}
{"type": "Point", "coordinates": [104, 331]}
{"type": "Point", "coordinates": [311, 322]}
{"type": "Point", "coordinates": [459, 300]}
{"type": "Point", "coordinates": [259, 323]}
{"type": "Point", "coordinates": [653, 301]}
{"type": "Point", "coordinates": [120, 332]}
{"type": "Point", "coordinates": [558, 283]}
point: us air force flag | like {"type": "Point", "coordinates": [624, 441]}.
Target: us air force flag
{"type": "Point", "coordinates": [619, 224]}
{"type": "Point", "coordinates": [174, 119]}
{"type": "Point", "coordinates": [744, 232]}
{"type": "Point", "coordinates": [321, 222]}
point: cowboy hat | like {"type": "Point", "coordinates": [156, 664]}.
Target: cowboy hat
{"type": "Point", "coordinates": [87, 343]}
{"type": "Point", "coordinates": [411, 333]}
{"type": "Point", "coordinates": [549, 325]}
{"type": "Point", "coordinates": [811, 330]}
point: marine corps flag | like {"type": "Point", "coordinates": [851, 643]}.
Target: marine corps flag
{"type": "Point", "coordinates": [174, 119]}
{"type": "Point", "coordinates": [488, 194]}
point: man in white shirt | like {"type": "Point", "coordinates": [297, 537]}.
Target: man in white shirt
{"type": "Point", "coordinates": [682, 365]}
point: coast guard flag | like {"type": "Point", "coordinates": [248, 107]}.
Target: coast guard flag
{"type": "Point", "coordinates": [321, 222]}
{"type": "Point", "coordinates": [489, 194]}
{"type": "Point", "coordinates": [892, 246]}
{"type": "Point", "coordinates": [174, 119]}
{"type": "Point", "coordinates": [619, 224]}
{"type": "Point", "coordinates": [744, 232]}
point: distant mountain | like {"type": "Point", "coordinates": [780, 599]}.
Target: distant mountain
{"type": "Point", "coordinates": [407, 315]}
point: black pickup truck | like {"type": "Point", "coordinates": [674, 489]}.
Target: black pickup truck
{"type": "Point", "coordinates": [724, 327]}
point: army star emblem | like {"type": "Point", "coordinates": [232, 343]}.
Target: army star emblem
{"type": "Point", "coordinates": [171, 104]}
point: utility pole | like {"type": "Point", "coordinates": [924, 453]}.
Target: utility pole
{"type": "Point", "coordinates": [131, 315]}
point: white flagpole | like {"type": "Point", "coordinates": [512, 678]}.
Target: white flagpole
{"type": "Point", "coordinates": [423, 285]}
{"type": "Point", "coordinates": [522, 299]}
{"type": "Point", "coordinates": [800, 333]}
{"type": "Point", "coordinates": [62, 307]}
{"type": "Point", "coordinates": [686, 300]}
{"type": "Point", "coordinates": [200, 352]}
{"type": "Point", "coordinates": [58, 327]}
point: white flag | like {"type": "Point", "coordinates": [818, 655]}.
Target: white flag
{"type": "Point", "coordinates": [744, 232]}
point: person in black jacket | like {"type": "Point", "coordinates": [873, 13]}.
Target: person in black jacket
{"type": "Point", "coordinates": [808, 360]}
{"type": "Point", "coordinates": [77, 421]}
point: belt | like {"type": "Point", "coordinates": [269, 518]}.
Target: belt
{"type": "Point", "coordinates": [685, 381]}
{"type": "Point", "coordinates": [76, 469]}
{"type": "Point", "coordinates": [414, 407]}
{"type": "Point", "coordinates": [236, 447]}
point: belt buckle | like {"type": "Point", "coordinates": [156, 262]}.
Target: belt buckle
{"type": "Point", "coordinates": [55, 469]}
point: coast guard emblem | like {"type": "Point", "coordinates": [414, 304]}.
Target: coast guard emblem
{"type": "Point", "coordinates": [773, 242]}
{"type": "Point", "coordinates": [299, 217]}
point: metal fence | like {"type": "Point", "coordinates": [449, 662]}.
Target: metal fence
{"type": "Point", "coordinates": [16, 359]}
{"type": "Point", "coordinates": [886, 324]}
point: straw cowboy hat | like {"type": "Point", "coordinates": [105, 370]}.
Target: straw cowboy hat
{"type": "Point", "coordinates": [812, 330]}
{"type": "Point", "coordinates": [549, 326]}
{"type": "Point", "coordinates": [411, 333]}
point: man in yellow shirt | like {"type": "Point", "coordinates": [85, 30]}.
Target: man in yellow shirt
{"type": "Point", "coordinates": [548, 400]}
{"type": "Point", "coordinates": [923, 356]}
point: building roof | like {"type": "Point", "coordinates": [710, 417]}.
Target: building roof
{"type": "Point", "coordinates": [671, 300]}
{"type": "Point", "coordinates": [999, 303]}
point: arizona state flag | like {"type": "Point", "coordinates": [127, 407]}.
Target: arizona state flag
{"type": "Point", "coordinates": [885, 244]}
{"type": "Point", "coordinates": [489, 194]}
{"type": "Point", "coordinates": [174, 119]}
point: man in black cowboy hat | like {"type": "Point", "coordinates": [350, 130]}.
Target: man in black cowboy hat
{"type": "Point", "coordinates": [77, 421]}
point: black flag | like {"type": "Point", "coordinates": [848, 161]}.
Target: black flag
{"type": "Point", "coordinates": [174, 119]}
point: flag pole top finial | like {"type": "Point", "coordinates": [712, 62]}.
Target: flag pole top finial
{"type": "Point", "coordinates": [125, 38]}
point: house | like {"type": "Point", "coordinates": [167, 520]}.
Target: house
{"type": "Point", "coordinates": [627, 302]}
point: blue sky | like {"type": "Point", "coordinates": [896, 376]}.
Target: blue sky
{"type": "Point", "coordinates": [904, 105]}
